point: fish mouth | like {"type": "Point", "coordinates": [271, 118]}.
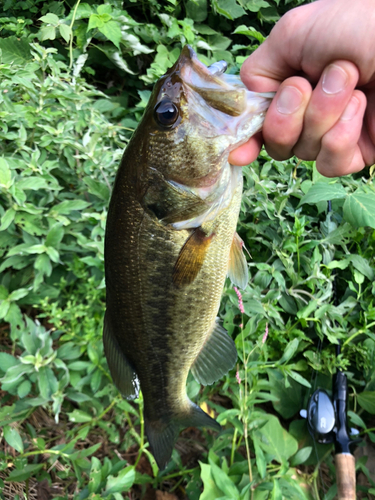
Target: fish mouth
{"type": "Point", "coordinates": [222, 102]}
{"type": "Point", "coordinates": [223, 92]}
{"type": "Point", "coordinates": [220, 92]}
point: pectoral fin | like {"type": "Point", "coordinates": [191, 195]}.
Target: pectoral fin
{"type": "Point", "coordinates": [191, 257]}
{"type": "Point", "coordinates": [216, 358]}
{"type": "Point", "coordinates": [238, 271]}
{"type": "Point", "coordinates": [123, 374]}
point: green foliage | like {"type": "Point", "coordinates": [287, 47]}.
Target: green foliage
{"type": "Point", "coordinates": [61, 139]}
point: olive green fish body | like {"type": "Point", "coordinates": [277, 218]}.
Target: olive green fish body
{"type": "Point", "coordinates": [170, 230]}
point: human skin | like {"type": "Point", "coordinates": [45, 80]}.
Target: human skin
{"type": "Point", "coordinates": [320, 58]}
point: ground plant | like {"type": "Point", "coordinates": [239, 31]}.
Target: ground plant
{"type": "Point", "coordinates": [74, 80]}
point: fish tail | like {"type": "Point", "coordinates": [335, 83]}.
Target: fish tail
{"type": "Point", "coordinates": [163, 433]}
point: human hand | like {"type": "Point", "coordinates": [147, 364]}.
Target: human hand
{"type": "Point", "coordinates": [331, 43]}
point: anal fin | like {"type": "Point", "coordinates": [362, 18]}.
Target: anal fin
{"type": "Point", "coordinates": [123, 374]}
{"type": "Point", "coordinates": [191, 257]}
{"type": "Point", "coordinates": [237, 270]}
{"type": "Point", "coordinates": [216, 358]}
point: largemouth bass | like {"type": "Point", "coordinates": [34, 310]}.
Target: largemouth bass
{"type": "Point", "coordinates": [171, 240]}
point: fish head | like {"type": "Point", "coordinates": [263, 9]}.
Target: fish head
{"type": "Point", "coordinates": [196, 115]}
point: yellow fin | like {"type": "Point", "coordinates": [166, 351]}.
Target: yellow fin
{"type": "Point", "coordinates": [191, 257]}
{"type": "Point", "coordinates": [237, 270]}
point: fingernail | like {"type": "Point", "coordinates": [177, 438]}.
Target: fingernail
{"type": "Point", "coordinates": [289, 100]}
{"type": "Point", "coordinates": [351, 109]}
{"type": "Point", "coordinates": [334, 79]}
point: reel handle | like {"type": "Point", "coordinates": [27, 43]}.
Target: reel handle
{"type": "Point", "coordinates": [345, 476]}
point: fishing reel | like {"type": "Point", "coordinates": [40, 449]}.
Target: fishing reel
{"type": "Point", "coordinates": [327, 418]}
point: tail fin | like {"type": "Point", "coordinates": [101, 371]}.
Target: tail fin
{"type": "Point", "coordinates": [163, 433]}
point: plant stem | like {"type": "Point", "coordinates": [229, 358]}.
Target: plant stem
{"type": "Point", "coordinates": [176, 474]}
{"type": "Point", "coordinates": [142, 422]}
{"type": "Point", "coordinates": [233, 446]}
{"type": "Point", "coordinates": [359, 332]}
{"type": "Point", "coordinates": [244, 406]}
{"type": "Point", "coordinates": [249, 461]}
{"type": "Point", "coordinates": [71, 34]}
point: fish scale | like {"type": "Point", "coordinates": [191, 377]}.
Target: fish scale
{"type": "Point", "coordinates": [170, 242]}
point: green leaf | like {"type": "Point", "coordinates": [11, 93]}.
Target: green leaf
{"type": "Point", "coordinates": [53, 254]}
{"type": "Point", "coordinates": [97, 188]}
{"type": "Point", "coordinates": [121, 483]}
{"type": "Point", "coordinates": [104, 9]}
{"type": "Point", "coordinates": [367, 401]}
{"type": "Point", "coordinates": [359, 209]}
{"type": "Point", "coordinates": [27, 471]}
{"type": "Point", "coordinates": [79, 416]}
{"type": "Point", "coordinates": [298, 378]}
{"type": "Point", "coordinates": [65, 207]}
{"type": "Point", "coordinates": [7, 361]}
{"type": "Point", "coordinates": [15, 372]}
{"type": "Point", "coordinates": [301, 456]}
{"type": "Point", "coordinates": [95, 475]}
{"type": "Point", "coordinates": [65, 32]}
{"type": "Point", "coordinates": [7, 219]}
{"type": "Point", "coordinates": [4, 308]}
{"type": "Point", "coordinates": [55, 235]}
{"type": "Point", "coordinates": [95, 21]}
{"type": "Point", "coordinates": [289, 352]}
{"type": "Point", "coordinates": [68, 351]}
{"type": "Point", "coordinates": [13, 438]}
{"type": "Point", "coordinates": [356, 420]}
{"type": "Point", "coordinates": [85, 452]}
{"type": "Point", "coordinates": [196, 10]}
{"type": "Point", "coordinates": [250, 32]}
{"type": "Point", "coordinates": [223, 482]}
{"type": "Point", "coordinates": [18, 294]}
{"type": "Point", "coordinates": [210, 489]}
{"type": "Point", "coordinates": [275, 440]}
{"type": "Point", "coordinates": [4, 294]}
{"type": "Point", "coordinates": [289, 398]}
{"type": "Point", "coordinates": [5, 174]}
{"type": "Point", "coordinates": [276, 491]}
{"type": "Point", "coordinates": [362, 265]}
{"type": "Point", "coordinates": [259, 457]}
{"type": "Point", "coordinates": [50, 19]}
{"type": "Point", "coordinates": [47, 33]}
{"type": "Point", "coordinates": [256, 5]}
{"type": "Point", "coordinates": [32, 182]}
{"type": "Point", "coordinates": [43, 263]}
{"type": "Point", "coordinates": [24, 389]}
{"type": "Point", "coordinates": [323, 192]}
{"type": "Point", "coordinates": [14, 51]}
{"type": "Point", "coordinates": [43, 384]}
{"type": "Point", "coordinates": [83, 11]}
{"type": "Point", "coordinates": [228, 8]}
{"type": "Point", "coordinates": [112, 31]}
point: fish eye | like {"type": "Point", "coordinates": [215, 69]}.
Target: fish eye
{"type": "Point", "coordinates": [166, 113]}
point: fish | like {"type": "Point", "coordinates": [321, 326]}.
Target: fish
{"type": "Point", "coordinates": [171, 240]}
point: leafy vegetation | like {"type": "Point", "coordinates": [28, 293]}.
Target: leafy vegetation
{"type": "Point", "coordinates": [75, 78]}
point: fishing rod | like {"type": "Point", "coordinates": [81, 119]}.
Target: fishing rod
{"type": "Point", "coordinates": [327, 423]}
